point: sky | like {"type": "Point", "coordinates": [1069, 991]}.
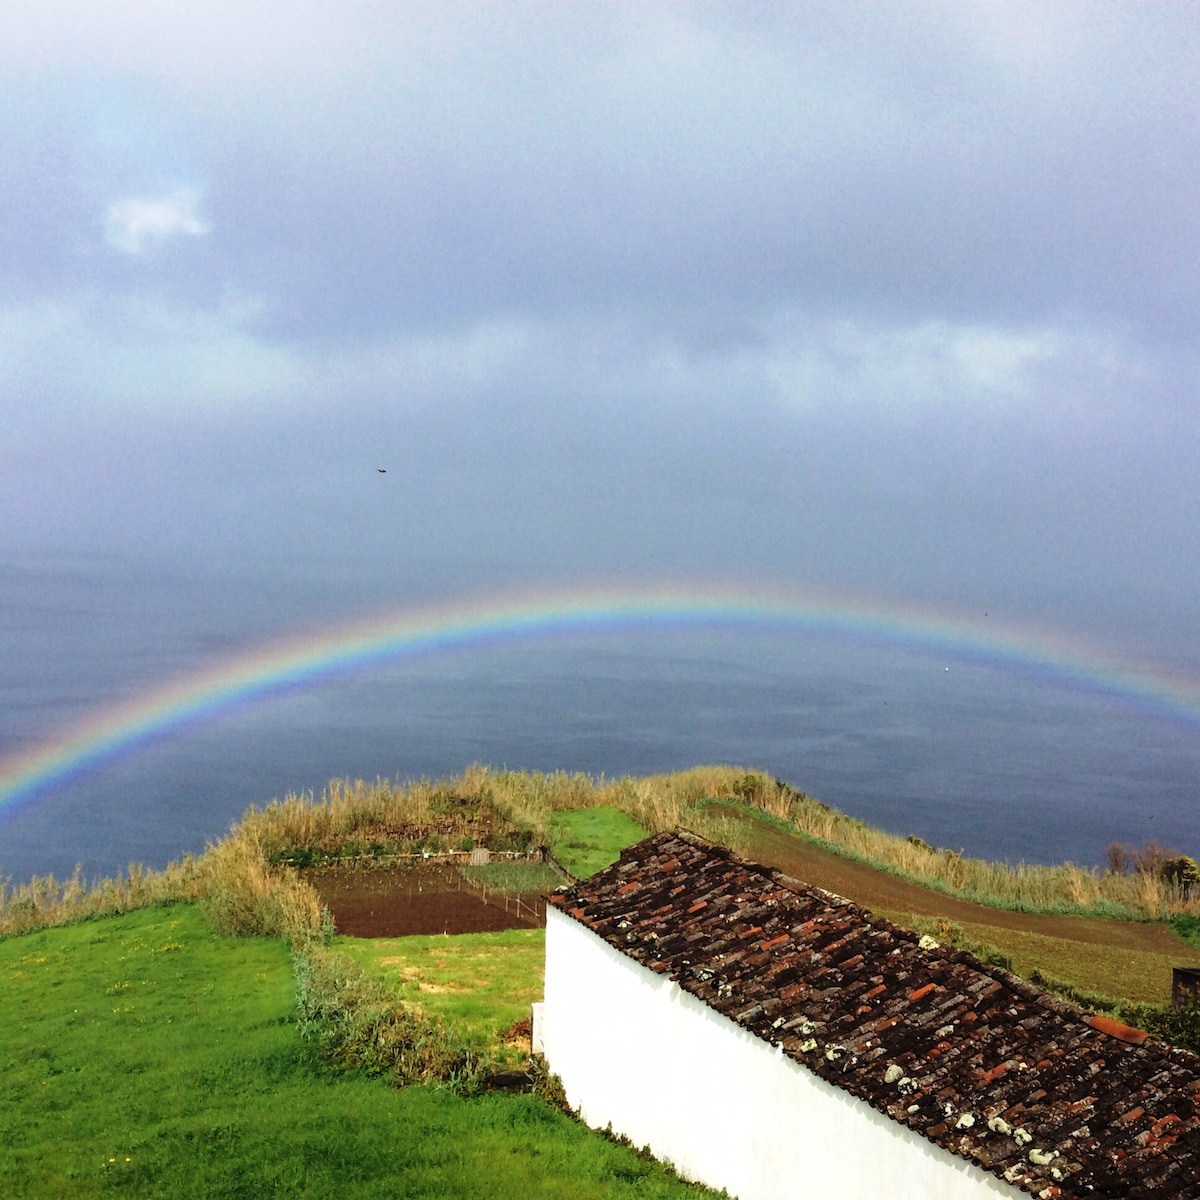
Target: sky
{"type": "Point", "coordinates": [897, 300]}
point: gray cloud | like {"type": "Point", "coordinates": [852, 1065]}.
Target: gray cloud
{"type": "Point", "coordinates": [894, 297]}
{"type": "Point", "coordinates": [888, 160]}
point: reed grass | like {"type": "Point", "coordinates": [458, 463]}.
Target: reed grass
{"type": "Point", "coordinates": [45, 901]}
{"type": "Point", "coordinates": [1022, 887]}
{"type": "Point", "coordinates": [246, 889]}
{"type": "Point", "coordinates": [246, 897]}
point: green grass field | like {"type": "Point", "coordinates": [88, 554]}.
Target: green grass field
{"type": "Point", "coordinates": [146, 1056]}
{"type": "Point", "coordinates": [481, 983]}
{"type": "Point", "coordinates": [586, 840]}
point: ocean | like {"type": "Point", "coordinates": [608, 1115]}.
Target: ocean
{"type": "Point", "coordinates": [970, 750]}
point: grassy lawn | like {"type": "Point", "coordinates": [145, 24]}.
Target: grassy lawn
{"type": "Point", "coordinates": [480, 982]}
{"type": "Point", "coordinates": [144, 1055]}
{"type": "Point", "coordinates": [586, 840]}
{"type": "Point", "coordinates": [1114, 973]}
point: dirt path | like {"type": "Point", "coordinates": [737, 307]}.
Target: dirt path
{"type": "Point", "coordinates": [889, 896]}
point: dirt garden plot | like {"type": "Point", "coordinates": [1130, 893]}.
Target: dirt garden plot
{"type": "Point", "coordinates": [422, 898]}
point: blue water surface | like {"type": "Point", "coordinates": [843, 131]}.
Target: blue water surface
{"type": "Point", "coordinates": [967, 754]}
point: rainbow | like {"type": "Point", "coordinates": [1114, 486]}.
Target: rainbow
{"type": "Point", "coordinates": [300, 663]}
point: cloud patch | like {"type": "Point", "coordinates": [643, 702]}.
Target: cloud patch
{"type": "Point", "coordinates": [139, 224]}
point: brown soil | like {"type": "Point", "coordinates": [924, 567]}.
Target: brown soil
{"type": "Point", "coordinates": [402, 900]}
{"type": "Point", "coordinates": [519, 1035]}
{"type": "Point", "coordinates": [894, 897]}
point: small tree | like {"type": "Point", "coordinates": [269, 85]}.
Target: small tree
{"type": "Point", "coordinates": [1150, 858]}
{"type": "Point", "coordinates": [1119, 858]}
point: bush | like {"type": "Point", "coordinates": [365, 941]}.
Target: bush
{"type": "Point", "coordinates": [363, 1027]}
{"type": "Point", "coordinates": [1187, 927]}
{"type": "Point", "coordinates": [1119, 858]}
{"type": "Point", "coordinates": [751, 787]}
{"type": "Point", "coordinates": [1149, 860]}
{"type": "Point", "coordinates": [1176, 1026]}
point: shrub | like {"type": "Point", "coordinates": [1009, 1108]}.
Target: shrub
{"type": "Point", "coordinates": [1180, 871]}
{"type": "Point", "coordinates": [1187, 927]}
{"type": "Point", "coordinates": [1175, 1026]}
{"type": "Point", "coordinates": [1149, 860]}
{"type": "Point", "coordinates": [750, 788]}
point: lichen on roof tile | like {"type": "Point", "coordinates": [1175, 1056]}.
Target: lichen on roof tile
{"type": "Point", "coordinates": [981, 1063]}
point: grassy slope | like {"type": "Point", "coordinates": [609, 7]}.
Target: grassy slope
{"type": "Point", "coordinates": [144, 1054]}
{"type": "Point", "coordinates": [586, 840]}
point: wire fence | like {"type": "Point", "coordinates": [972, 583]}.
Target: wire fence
{"type": "Point", "coordinates": [514, 904]}
{"type": "Point", "coordinates": [518, 903]}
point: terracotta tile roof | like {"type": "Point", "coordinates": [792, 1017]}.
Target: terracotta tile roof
{"type": "Point", "coordinates": [973, 1058]}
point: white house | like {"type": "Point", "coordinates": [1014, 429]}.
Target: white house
{"type": "Point", "coordinates": [774, 1040]}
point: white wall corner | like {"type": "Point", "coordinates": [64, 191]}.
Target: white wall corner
{"type": "Point", "coordinates": [537, 1044]}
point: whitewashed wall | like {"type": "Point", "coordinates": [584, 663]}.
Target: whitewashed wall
{"type": "Point", "coordinates": [635, 1050]}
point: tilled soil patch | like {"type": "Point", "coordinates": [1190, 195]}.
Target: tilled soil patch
{"type": "Point", "coordinates": [423, 899]}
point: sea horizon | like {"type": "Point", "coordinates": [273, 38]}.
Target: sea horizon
{"type": "Point", "coordinates": [992, 758]}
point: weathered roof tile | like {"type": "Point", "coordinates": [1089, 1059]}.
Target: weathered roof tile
{"type": "Point", "coordinates": [978, 1061]}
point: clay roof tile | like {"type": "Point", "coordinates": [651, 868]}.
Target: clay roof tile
{"type": "Point", "coordinates": [1060, 1104]}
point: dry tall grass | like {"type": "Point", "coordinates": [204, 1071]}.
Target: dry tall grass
{"type": "Point", "coordinates": [45, 901]}
{"type": "Point", "coordinates": [526, 801]}
{"type": "Point", "coordinates": [246, 897]}
{"type": "Point", "coordinates": [1065, 887]}
{"type": "Point", "coordinates": [246, 893]}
